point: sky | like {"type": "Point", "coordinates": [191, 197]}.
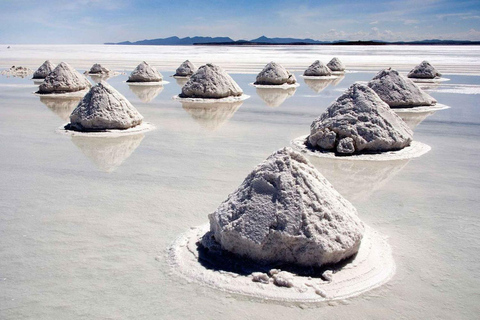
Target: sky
{"type": "Point", "coordinates": [99, 21]}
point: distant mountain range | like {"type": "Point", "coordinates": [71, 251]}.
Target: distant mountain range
{"type": "Point", "coordinates": [263, 40]}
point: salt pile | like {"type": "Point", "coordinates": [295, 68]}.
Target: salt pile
{"type": "Point", "coordinates": [43, 71]}
{"type": "Point", "coordinates": [145, 73]}
{"type": "Point", "coordinates": [98, 69]}
{"type": "Point", "coordinates": [104, 108]}
{"type": "Point", "coordinates": [17, 71]}
{"type": "Point", "coordinates": [398, 91]}
{"type": "Point", "coordinates": [274, 74]}
{"type": "Point", "coordinates": [318, 69]}
{"type": "Point", "coordinates": [63, 79]}
{"type": "Point", "coordinates": [358, 122]}
{"type": "Point", "coordinates": [210, 82]}
{"type": "Point", "coordinates": [285, 211]}
{"type": "Point", "coordinates": [424, 71]}
{"type": "Point", "coordinates": [186, 69]}
{"type": "Point", "coordinates": [336, 65]}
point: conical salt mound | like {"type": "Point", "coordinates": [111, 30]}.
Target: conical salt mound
{"type": "Point", "coordinates": [43, 71]}
{"type": "Point", "coordinates": [336, 65]}
{"type": "Point", "coordinates": [424, 71]}
{"type": "Point", "coordinates": [210, 82]}
{"type": "Point", "coordinates": [104, 108]}
{"type": "Point", "coordinates": [359, 121]}
{"type": "Point", "coordinates": [275, 74]}
{"type": "Point", "coordinates": [398, 91]}
{"type": "Point", "coordinates": [145, 73]}
{"type": "Point", "coordinates": [186, 69]}
{"type": "Point", "coordinates": [63, 79]}
{"type": "Point", "coordinates": [285, 211]}
{"type": "Point", "coordinates": [318, 69]}
{"type": "Point", "coordinates": [98, 69]}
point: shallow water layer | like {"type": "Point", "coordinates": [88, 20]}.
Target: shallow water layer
{"type": "Point", "coordinates": [84, 225]}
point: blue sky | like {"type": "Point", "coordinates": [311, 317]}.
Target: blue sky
{"type": "Point", "coordinates": [98, 21]}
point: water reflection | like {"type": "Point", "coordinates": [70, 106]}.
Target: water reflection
{"type": "Point", "coordinates": [337, 80]}
{"type": "Point", "coordinates": [62, 107]}
{"type": "Point", "coordinates": [318, 85]}
{"type": "Point", "coordinates": [108, 153]}
{"type": "Point", "coordinates": [274, 97]}
{"type": "Point", "coordinates": [413, 119]}
{"type": "Point", "coordinates": [211, 116]}
{"type": "Point", "coordinates": [146, 93]}
{"type": "Point", "coordinates": [100, 77]}
{"type": "Point", "coordinates": [181, 80]}
{"type": "Point", "coordinates": [358, 180]}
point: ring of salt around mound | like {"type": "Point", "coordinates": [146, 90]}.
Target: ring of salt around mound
{"type": "Point", "coordinates": [414, 150]}
{"type": "Point", "coordinates": [80, 93]}
{"type": "Point", "coordinates": [434, 80]}
{"type": "Point", "coordinates": [212, 100]}
{"type": "Point", "coordinates": [153, 83]}
{"type": "Point", "coordinates": [333, 76]}
{"type": "Point", "coordinates": [282, 86]}
{"type": "Point", "coordinates": [143, 127]}
{"type": "Point", "coordinates": [435, 107]}
{"type": "Point", "coordinates": [372, 267]}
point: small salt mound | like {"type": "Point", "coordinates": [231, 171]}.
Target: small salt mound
{"type": "Point", "coordinates": [317, 69]}
{"type": "Point", "coordinates": [145, 73]}
{"type": "Point", "coordinates": [63, 79]}
{"type": "Point", "coordinates": [275, 74]}
{"type": "Point", "coordinates": [104, 108]}
{"type": "Point", "coordinates": [424, 71]}
{"type": "Point", "coordinates": [398, 91]}
{"type": "Point", "coordinates": [336, 65]}
{"type": "Point", "coordinates": [210, 82]}
{"type": "Point", "coordinates": [186, 69]}
{"type": "Point", "coordinates": [359, 121]}
{"type": "Point", "coordinates": [43, 71]}
{"type": "Point", "coordinates": [285, 211]}
{"type": "Point", "coordinates": [98, 69]}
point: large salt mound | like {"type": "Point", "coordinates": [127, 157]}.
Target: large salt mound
{"type": "Point", "coordinates": [210, 82]}
{"type": "Point", "coordinates": [359, 121]}
{"type": "Point", "coordinates": [398, 91]}
{"type": "Point", "coordinates": [285, 211]}
{"type": "Point", "coordinates": [336, 65]}
{"type": "Point", "coordinates": [63, 79]}
{"type": "Point", "coordinates": [318, 69]}
{"type": "Point", "coordinates": [424, 71]}
{"type": "Point", "coordinates": [98, 69]}
{"type": "Point", "coordinates": [145, 73]}
{"type": "Point", "coordinates": [274, 74]}
{"type": "Point", "coordinates": [104, 108]}
{"type": "Point", "coordinates": [186, 69]}
{"type": "Point", "coordinates": [43, 71]}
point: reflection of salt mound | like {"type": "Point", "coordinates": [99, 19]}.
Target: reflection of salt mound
{"type": "Point", "coordinates": [108, 153]}
{"type": "Point", "coordinates": [274, 74]}
{"type": "Point", "coordinates": [337, 80]}
{"type": "Point", "coordinates": [101, 76]}
{"type": "Point", "coordinates": [398, 91]}
{"type": "Point", "coordinates": [210, 82]}
{"type": "Point", "coordinates": [43, 71]}
{"type": "Point", "coordinates": [211, 116]}
{"type": "Point", "coordinates": [359, 121]}
{"type": "Point", "coordinates": [104, 108]}
{"type": "Point", "coordinates": [285, 211]}
{"type": "Point", "coordinates": [186, 69]}
{"type": "Point", "coordinates": [336, 65]}
{"type": "Point", "coordinates": [181, 81]}
{"type": "Point", "coordinates": [63, 79]}
{"type": "Point", "coordinates": [317, 69]}
{"type": "Point", "coordinates": [145, 73]}
{"type": "Point", "coordinates": [146, 93]}
{"type": "Point", "coordinates": [274, 97]}
{"type": "Point", "coordinates": [424, 71]}
{"type": "Point", "coordinates": [358, 180]}
{"type": "Point", "coordinates": [98, 69]}
{"type": "Point", "coordinates": [317, 85]}
{"type": "Point", "coordinates": [413, 119]}
{"type": "Point", "coordinates": [62, 107]}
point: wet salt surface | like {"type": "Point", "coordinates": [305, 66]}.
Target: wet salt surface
{"type": "Point", "coordinates": [84, 226]}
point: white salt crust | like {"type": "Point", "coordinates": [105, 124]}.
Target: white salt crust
{"type": "Point", "coordinates": [212, 100]}
{"type": "Point", "coordinates": [333, 76]}
{"type": "Point", "coordinates": [80, 93]}
{"type": "Point", "coordinates": [154, 83]}
{"type": "Point", "coordinates": [143, 127]}
{"type": "Point", "coordinates": [434, 80]}
{"type": "Point", "coordinates": [282, 86]}
{"type": "Point", "coordinates": [372, 267]}
{"type": "Point", "coordinates": [436, 107]}
{"type": "Point", "coordinates": [415, 150]}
